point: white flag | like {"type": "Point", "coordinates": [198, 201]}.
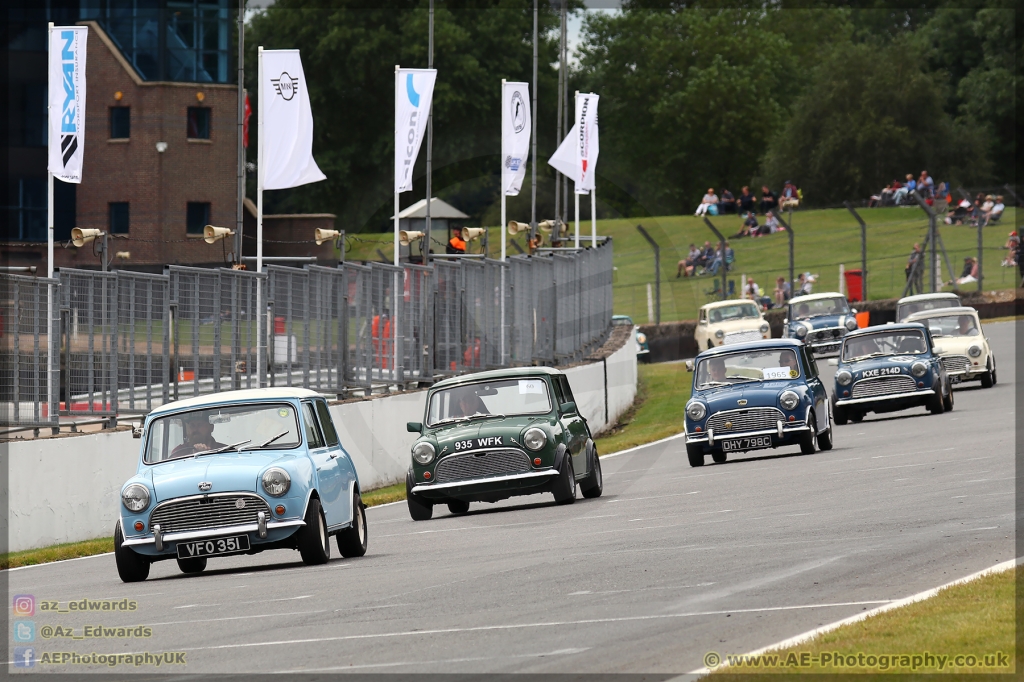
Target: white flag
{"type": "Point", "coordinates": [515, 136]}
{"type": "Point", "coordinates": [414, 92]}
{"type": "Point", "coordinates": [67, 102]}
{"type": "Point", "coordinates": [576, 157]}
{"type": "Point", "coordinates": [286, 137]}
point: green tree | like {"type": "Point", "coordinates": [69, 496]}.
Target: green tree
{"type": "Point", "coordinates": [349, 50]}
{"type": "Point", "coordinates": [870, 114]}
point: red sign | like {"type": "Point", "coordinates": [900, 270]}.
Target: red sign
{"type": "Point", "coordinates": [245, 122]}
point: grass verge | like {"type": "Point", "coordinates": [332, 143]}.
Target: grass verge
{"type": "Point", "coordinates": [391, 493]}
{"type": "Point", "coordinates": [69, 550]}
{"type": "Point", "coordinates": [975, 619]}
{"type": "Point", "coordinates": [662, 392]}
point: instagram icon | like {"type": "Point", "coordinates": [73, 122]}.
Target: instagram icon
{"type": "Point", "coordinates": [24, 605]}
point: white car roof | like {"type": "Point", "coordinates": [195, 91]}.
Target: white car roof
{"type": "Point", "coordinates": [941, 312]}
{"type": "Point", "coordinates": [731, 301]}
{"type": "Point", "coordinates": [927, 297]}
{"type": "Point", "coordinates": [237, 396]}
{"type": "Point", "coordinates": [815, 297]}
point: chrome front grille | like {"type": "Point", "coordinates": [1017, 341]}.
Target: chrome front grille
{"type": "Point", "coordinates": [956, 364]}
{"type": "Point", "coordinates": [208, 511]}
{"type": "Point", "coordinates": [481, 464]}
{"type": "Point", "coordinates": [826, 335]}
{"type": "Point", "coordinates": [741, 421]}
{"type": "Point", "coordinates": [869, 388]}
{"type": "Point", "coordinates": [741, 337]}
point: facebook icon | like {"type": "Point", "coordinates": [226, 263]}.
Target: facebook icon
{"type": "Point", "coordinates": [24, 657]}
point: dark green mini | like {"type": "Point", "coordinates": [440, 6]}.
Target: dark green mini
{"type": "Point", "coordinates": [489, 436]}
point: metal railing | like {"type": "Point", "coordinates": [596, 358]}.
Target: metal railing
{"type": "Point", "coordinates": [123, 343]}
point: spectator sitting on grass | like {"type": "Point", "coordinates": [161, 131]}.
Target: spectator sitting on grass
{"type": "Point", "coordinates": [901, 194]}
{"type": "Point", "coordinates": [721, 258]}
{"type": "Point", "coordinates": [753, 292]}
{"type": "Point", "coordinates": [958, 215]}
{"type": "Point", "coordinates": [970, 272]}
{"type": "Point", "coordinates": [749, 226]}
{"type": "Point", "coordinates": [771, 225]}
{"type": "Point", "coordinates": [803, 284]}
{"type": "Point", "coordinates": [728, 202]}
{"type": "Point", "coordinates": [1012, 243]}
{"type": "Point", "coordinates": [882, 197]}
{"type": "Point", "coordinates": [709, 204]}
{"type": "Point", "coordinates": [782, 291]}
{"type": "Point", "coordinates": [707, 255]}
{"type": "Point", "coordinates": [769, 200]}
{"type": "Point", "coordinates": [790, 196]}
{"type": "Point", "coordinates": [688, 264]}
{"type": "Point", "coordinates": [997, 210]}
{"type": "Point", "coordinates": [925, 185]}
{"type": "Point", "coordinates": [746, 201]}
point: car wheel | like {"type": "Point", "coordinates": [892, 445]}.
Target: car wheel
{"type": "Point", "coordinates": [197, 565]}
{"type": "Point", "coordinates": [565, 485]}
{"type": "Point", "coordinates": [458, 507]}
{"type": "Point", "coordinates": [419, 508]}
{"type": "Point", "coordinates": [988, 379]}
{"type": "Point", "coordinates": [695, 454]}
{"type": "Point", "coordinates": [353, 540]}
{"type": "Point", "coordinates": [807, 444]}
{"type": "Point", "coordinates": [719, 457]}
{"type": "Point", "coordinates": [825, 437]}
{"type": "Point", "coordinates": [947, 403]}
{"type": "Point", "coordinates": [594, 485]}
{"type": "Point", "coordinates": [857, 417]}
{"type": "Point", "coordinates": [839, 414]}
{"type": "Point", "coordinates": [131, 566]}
{"type": "Point", "coordinates": [936, 404]}
{"type": "Point", "coordinates": [312, 540]}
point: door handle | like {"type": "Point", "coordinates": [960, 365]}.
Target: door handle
{"type": "Point", "coordinates": [334, 455]}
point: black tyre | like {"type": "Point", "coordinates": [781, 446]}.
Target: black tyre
{"type": "Point", "coordinates": [352, 541]}
{"type": "Point", "coordinates": [937, 404]}
{"type": "Point", "coordinates": [857, 417]}
{"type": "Point", "coordinates": [719, 457]}
{"type": "Point", "coordinates": [458, 507]}
{"type": "Point", "coordinates": [807, 438]}
{"type": "Point", "coordinates": [695, 454]}
{"type": "Point", "coordinates": [312, 540]}
{"type": "Point", "coordinates": [594, 485]}
{"type": "Point", "coordinates": [825, 437]}
{"type": "Point", "coordinates": [131, 566]}
{"type": "Point", "coordinates": [947, 402]}
{"type": "Point", "coordinates": [419, 508]}
{"type": "Point", "coordinates": [988, 379]}
{"type": "Point", "coordinates": [197, 565]}
{"type": "Point", "coordinates": [565, 485]}
{"type": "Point", "coordinates": [839, 414]}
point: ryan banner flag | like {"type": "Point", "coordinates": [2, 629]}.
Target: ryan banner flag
{"type": "Point", "coordinates": [67, 102]}
{"type": "Point", "coordinates": [576, 157]}
{"type": "Point", "coordinates": [414, 93]}
{"type": "Point", "coordinates": [287, 134]}
{"type": "Point", "coordinates": [515, 136]}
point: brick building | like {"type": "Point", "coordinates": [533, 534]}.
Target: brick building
{"type": "Point", "coordinates": [160, 157]}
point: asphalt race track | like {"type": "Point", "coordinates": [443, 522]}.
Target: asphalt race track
{"type": "Point", "coordinates": [669, 564]}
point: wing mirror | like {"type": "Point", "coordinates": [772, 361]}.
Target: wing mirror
{"type": "Point", "coordinates": [568, 408]}
{"type": "Point", "coordinates": [136, 430]}
{"type": "Point", "coordinates": [833, 362]}
{"type": "Point", "coordinates": [414, 427]}
{"type": "Point", "coordinates": [689, 365]}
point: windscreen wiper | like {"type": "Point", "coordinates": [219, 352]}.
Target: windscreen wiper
{"type": "Point", "coordinates": [223, 449]}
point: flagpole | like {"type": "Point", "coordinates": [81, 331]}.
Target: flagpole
{"type": "Point", "coordinates": [430, 133]}
{"type": "Point", "coordinates": [533, 133]}
{"type": "Point", "coordinates": [49, 233]}
{"type": "Point", "coordinates": [260, 173]}
{"type": "Point", "coordinates": [576, 214]}
{"type": "Point", "coordinates": [502, 173]}
{"type": "Point", "coordinates": [241, 124]}
{"type": "Point", "coordinates": [593, 216]}
{"type": "Point", "coordinates": [396, 175]}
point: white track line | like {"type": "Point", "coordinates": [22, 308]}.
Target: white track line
{"type": "Point", "coordinates": [62, 561]}
{"type": "Point", "coordinates": [645, 445]}
{"type": "Point", "coordinates": [920, 596]}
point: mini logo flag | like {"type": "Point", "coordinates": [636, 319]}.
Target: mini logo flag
{"type": "Point", "coordinates": [287, 135]}
{"type": "Point", "coordinates": [414, 93]}
{"type": "Point", "coordinates": [66, 146]}
{"type": "Point", "coordinates": [515, 136]}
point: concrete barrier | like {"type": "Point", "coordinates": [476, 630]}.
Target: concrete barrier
{"type": "Point", "coordinates": [67, 488]}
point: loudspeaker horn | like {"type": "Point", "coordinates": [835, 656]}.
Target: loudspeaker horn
{"type": "Point", "coordinates": [515, 228]}
{"type": "Point", "coordinates": [212, 234]}
{"type": "Point", "coordinates": [321, 235]}
{"type": "Point", "coordinates": [406, 237]}
{"type": "Point", "coordinates": [80, 237]}
{"type": "Point", "coordinates": [471, 233]}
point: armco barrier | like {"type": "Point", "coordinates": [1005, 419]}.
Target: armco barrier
{"type": "Point", "coordinates": [81, 502]}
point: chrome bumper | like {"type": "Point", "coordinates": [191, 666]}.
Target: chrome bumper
{"type": "Point", "coordinates": [424, 487]}
{"type": "Point", "coordinates": [877, 398]}
{"type": "Point", "coordinates": [703, 437]}
{"type": "Point", "coordinates": [168, 538]}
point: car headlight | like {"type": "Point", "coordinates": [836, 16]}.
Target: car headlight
{"type": "Point", "coordinates": [135, 498]}
{"type": "Point", "coordinates": [276, 481]}
{"type": "Point", "coordinates": [719, 334]}
{"type": "Point", "coordinates": [789, 400]}
{"type": "Point", "coordinates": [423, 452]}
{"type": "Point", "coordinates": [764, 327]}
{"type": "Point", "coordinates": [801, 330]}
{"type": "Point", "coordinates": [696, 411]}
{"type": "Point", "coordinates": [918, 369]}
{"type": "Point", "coordinates": [974, 351]}
{"type": "Point", "coordinates": [844, 377]}
{"type": "Point", "coordinates": [851, 323]}
{"type": "Point", "coordinates": [535, 438]}
{"type": "Point", "coordinates": [641, 338]}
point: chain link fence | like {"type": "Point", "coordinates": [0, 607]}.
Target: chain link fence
{"type": "Point", "coordinates": [124, 343]}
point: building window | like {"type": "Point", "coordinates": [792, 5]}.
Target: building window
{"type": "Point", "coordinates": [34, 115]}
{"type": "Point", "coordinates": [118, 217]}
{"type": "Point", "coordinates": [120, 123]}
{"type": "Point", "coordinates": [198, 216]}
{"type": "Point", "coordinates": [199, 123]}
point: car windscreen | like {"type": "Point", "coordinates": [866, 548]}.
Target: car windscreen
{"type": "Point", "coordinates": [900, 342]}
{"type": "Point", "coordinates": [186, 434]}
{"type": "Point", "coordinates": [907, 309]}
{"type": "Point", "coordinates": [726, 313]}
{"type": "Point", "coordinates": [952, 325]}
{"type": "Point", "coordinates": [821, 306]}
{"type": "Point", "coordinates": [503, 397]}
{"type": "Point", "coordinates": [745, 366]}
